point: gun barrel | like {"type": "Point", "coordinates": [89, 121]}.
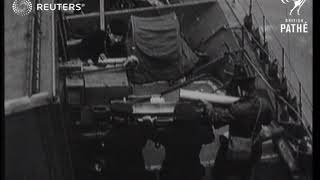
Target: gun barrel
{"type": "Point", "coordinates": [213, 98]}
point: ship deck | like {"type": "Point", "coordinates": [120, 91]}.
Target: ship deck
{"type": "Point", "coordinates": [18, 54]}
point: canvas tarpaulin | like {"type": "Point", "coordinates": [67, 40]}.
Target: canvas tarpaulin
{"type": "Point", "coordinates": [163, 54]}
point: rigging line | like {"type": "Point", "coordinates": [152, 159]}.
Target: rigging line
{"type": "Point", "coordinates": [280, 97]}
{"type": "Point", "coordinates": [288, 38]}
{"type": "Point", "coordinates": [277, 38]}
{"type": "Point", "coordinates": [272, 52]}
{"type": "Point", "coordinates": [254, 39]}
{"type": "Point", "coordinates": [288, 56]}
{"type": "Point", "coordinates": [269, 86]}
{"type": "Point", "coordinates": [254, 17]}
{"type": "Point", "coordinates": [261, 48]}
{"type": "Point", "coordinates": [268, 22]}
{"type": "Point", "coordinates": [274, 34]}
{"type": "Point", "coordinates": [296, 93]}
{"type": "Point", "coordinates": [307, 128]}
{"type": "Point", "coordinates": [259, 6]}
{"type": "Point", "coordinates": [297, 77]}
{"type": "Point", "coordinates": [259, 71]}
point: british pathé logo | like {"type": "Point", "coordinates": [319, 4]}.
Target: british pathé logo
{"type": "Point", "coordinates": [22, 7]}
{"type": "Point", "coordinates": [297, 4]}
{"type": "Point", "coordinates": [294, 25]}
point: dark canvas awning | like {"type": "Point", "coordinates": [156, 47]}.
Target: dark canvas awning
{"type": "Point", "coordinates": [162, 52]}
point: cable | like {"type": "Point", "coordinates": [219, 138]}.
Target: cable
{"type": "Point", "coordinates": [266, 82]}
{"type": "Point", "coordinates": [288, 57]}
{"type": "Point", "coordinates": [280, 97]}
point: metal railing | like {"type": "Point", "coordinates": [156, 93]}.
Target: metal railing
{"type": "Point", "coordinates": [35, 52]}
{"type": "Point", "coordinates": [301, 114]}
{"type": "Point", "coordinates": [294, 83]}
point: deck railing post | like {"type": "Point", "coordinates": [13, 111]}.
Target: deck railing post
{"type": "Point", "coordinates": [242, 36]}
{"type": "Point", "coordinates": [283, 63]}
{"type": "Point", "coordinates": [300, 99]}
{"type": "Point", "coordinates": [102, 18]}
{"type": "Point", "coordinates": [264, 29]}
{"type": "Point", "coordinates": [242, 41]}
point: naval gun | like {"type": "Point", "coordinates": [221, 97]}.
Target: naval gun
{"type": "Point", "coordinates": [99, 87]}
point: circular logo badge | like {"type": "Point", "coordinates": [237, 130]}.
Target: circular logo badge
{"type": "Point", "coordinates": [22, 7]}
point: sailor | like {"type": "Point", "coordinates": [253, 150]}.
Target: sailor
{"type": "Point", "coordinates": [116, 39]}
{"type": "Point", "coordinates": [294, 104]}
{"type": "Point", "coordinates": [284, 89]}
{"type": "Point", "coordinates": [240, 151]}
{"type": "Point", "coordinates": [256, 39]}
{"type": "Point", "coordinates": [92, 45]}
{"type": "Point", "coordinates": [183, 143]}
{"type": "Point", "coordinates": [112, 43]}
{"type": "Point", "coordinates": [264, 57]}
{"type": "Point", "coordinates": [273, 70]}
{"type": "Point", "coordinates": [284, 115]}
{"type": "Point", "coordinates": [248, 22]}
{"type": "Point", "coordinates": [123, 155]}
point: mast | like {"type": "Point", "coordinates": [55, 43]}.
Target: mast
{"type": "Point", "coordinates": [283, 63]}
{"type": "Point", "coordinates": [300, 99]}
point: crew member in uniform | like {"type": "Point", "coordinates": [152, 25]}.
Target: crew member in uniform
{"type": "Point", "coordinates": [117, 38]}
{"type": "Point", "coordinates": [264, 57]}
{"type": "Point", "coordinates": [92, 45]}
{"type": "Point", "coordinates": [256, 39]}
{"type": "Point", "coordinates": [112, 43]}
{"type": "Point", "coordinates": [248, 22]}
{"type": "Point", "coordinates": [240, 151]}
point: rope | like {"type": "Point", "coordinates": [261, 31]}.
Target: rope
{"type": "Point", "coordinates": [262, 77]}
{"type": "Point", "coordinates": [295, 93]}
{"type": "Point", "coordinates": [288, 57]}
{"type": "Point", "coordinates": [280, 97]}
{"type": "Point", "coordinates": [306, 99]}
{"type": "Point", "coordinates": [265, 81]}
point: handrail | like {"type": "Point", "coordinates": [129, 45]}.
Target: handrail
{"type": "Point", "coordinates": [280, 97]}
{"type": "Point", "coordinates": [35, 58]}
{"type": "Point", "coordinates": [286, 54]}
{"type": "Point", "coordinates": [53, 48]}
{"type": "Point", "coordinates": [306, 100]}
{"type": "Point", "coordinates": [264, 79]}
{"type": "Point", "coordinates": [262, 49]}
